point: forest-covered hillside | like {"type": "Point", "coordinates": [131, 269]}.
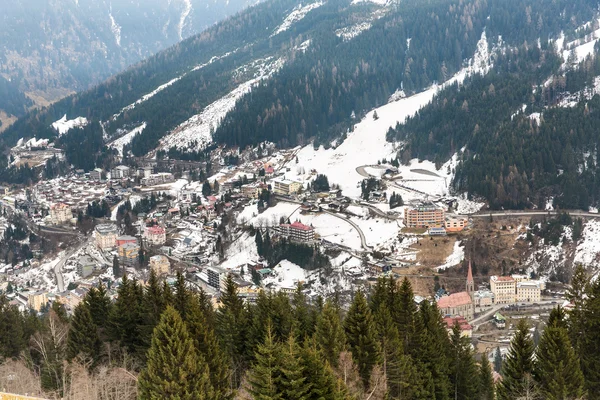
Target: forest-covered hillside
{"type": "Point", "coordinates": [313, 80]}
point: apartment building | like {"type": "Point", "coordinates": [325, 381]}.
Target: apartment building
{"type": "Point", "coordinates": [60, 213]}
{"type": "Point", "coordinates": [297, 232]}
{"type": "Point", "coordinates": [504, 289]}
{"type": "Point", "coordinates": [160, 265]}
{"type": "Point", "coordinates": [129, 253]}
{"type": "Point", "coordinates": [155, 235]}
{"type": "Point", "coordinates": [120, 172]}
{"type": "Point", "coordinates": [424, 216]}
{"type": "Point", "coordinates": [456, 224]}
{"type": "Point", "coordinates": [529, 291]}
{"type": "Point", "coordinates": [286, 187]}
{"type": "Point", "coordinates": [106, 236]}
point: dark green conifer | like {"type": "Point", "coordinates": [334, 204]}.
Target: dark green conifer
{"type": "Point", "coordinates": [329, 334]}
{"type": "Point", "coordinates": [487, 390]}
{"type": "Point", "coordinates": [463, 370]}
{"type": "Point", "coordinates": [83, 340]}
{"type": "Point", "coordinates": [264, 376]}
{"type": "Point", "coordinates": [174, 369]}
{"type": "Point", "coordinates": [361, 336]}
{"type": "Point", "coordinates": [557, 371]}
{"type": "Point", "coordinates": [517, 369]}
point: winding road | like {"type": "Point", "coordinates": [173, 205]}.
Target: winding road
{"type": "Point", "coordinates": [521, 213]}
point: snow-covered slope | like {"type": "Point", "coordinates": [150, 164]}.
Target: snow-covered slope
{"type": "Point", "coordinates": [198, 130]}
{"type": "Point", "coordinates": [126, 138]}
{"type": "Point", "coordinates": [63, 125]}
{"type": "Point", "coordinates": [296, 15]}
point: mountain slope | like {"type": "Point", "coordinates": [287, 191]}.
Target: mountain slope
{"type": "Point", "coordinates": [54, 47]}
{"type": "Point", "coordinates": [248, 80]}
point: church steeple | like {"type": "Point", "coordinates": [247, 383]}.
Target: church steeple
{"type": "Point", "coordinates": [470, 282]}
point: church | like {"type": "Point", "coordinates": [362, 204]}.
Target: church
{"type": "Point", "coordinates": [460, 304]}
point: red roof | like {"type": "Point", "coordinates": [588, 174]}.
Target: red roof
{"type": "Point", "coordinates": [454, 300]}
{"type": "Point", "coordinates": [301, 226]}
{"type": "Point", "coordinates": [156, 230]}
{"type": "Point", "coordinates": [461, 321]}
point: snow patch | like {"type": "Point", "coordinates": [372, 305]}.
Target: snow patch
{"type": "Point", "coordinates": [115, 28]}
{"type": "Point", "coordinates": [297, 14]}
{"type": "Point", "coordinates": [588, 249]}
{"type": "Point", "coordinates": [184, 15]}
{"type": "Point", "coordinates": [350, 32]}
{"type": "Point", "coordinates": [63, 125]}
{"type": "Point", "coordinates": [457, 256]}
{"type": "Point", "coordinates": [285, 275]}
{"type": "Point", "coordinates": [198, 129]}
{"type": "Point", "coordinates": [126, 139]}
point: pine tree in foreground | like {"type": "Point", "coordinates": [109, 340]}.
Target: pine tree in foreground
{"type": "Point", "coordinates": [83, 340]}
{"type": "Point", "coordinates": [463, 370]}
{"type": "Point", "coordinates": [330, 334]}
{"type": "Point", "coordinates": [264, 376]}
{"type": "Point", "coordinates": [557, 371]}
{"type": "Point", "coordinates": [174, 369]}
{"type": "Point", "coordinates": [362, 338]}
{"type": "Point", "coordinates": [487, 390]}
{"type": "Point", "coordinates": [517, 369]}
{"type": "Point", "coordinates": [291, 379]}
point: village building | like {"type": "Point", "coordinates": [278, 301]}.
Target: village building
{"type": "Point", "coordinates": [296, 232]}
{"type": "Point", "coordinates": [456, 224]}
{"type": "Point", "coordinates": [96, 174]}
{"type": "Point", "coordinates": [286, 187]}
{"type": "Point", "coordinates": [121, 240]}
{"type": "Point", "coordinates": [466, 330]}
{"type": "Point", "coordinates": [106, 236]}
{"type": "Point", "coordinates": [155, 235]}
{"type": "Point", "coordinates": [129, 253]}
{"type": "Point", "coordinates": [160, 265]}
{"type": "Point", "coordinates": [460, 304]}
{"type": "Point", "coordinates": [528, 291]}
{"type": "Point", "coordinates": [60, 213]}
{"type": "Point", "coordinates": [424, 216]}
{"type": "Point", "coordinates": [120, 172]}
{"type": "Point", "coordinates": [483, 298]}
{"type": "Point", "coordinates": [504, 289]}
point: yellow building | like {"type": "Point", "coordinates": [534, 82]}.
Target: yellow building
{"type": "Point", "coordinates": [529, 291]}
{"type": "Point", "coordinates": [504, 289]}
{"type": "Point", "coordinates": [160, 265]}
{"type": "Point", "coordinates": [37, 300]}
{"type": "Point", "coordinates": [286, 187]}
{"type": "Point", "coordinates": [106, 236]}
{"type": "Point", "coordinates": [456, 224]}
{"type": "Point", "coordinates": [60, 213]}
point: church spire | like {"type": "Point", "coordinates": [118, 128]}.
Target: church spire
{"type": "Point", "coordinates": [470, 282]}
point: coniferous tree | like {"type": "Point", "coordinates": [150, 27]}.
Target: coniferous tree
{"type": "Point", "coordinates": [517, 369]}
{"type": "Point", "coordinates": [329, 334]}
{"type": "Point", "coordinates": [319, 376]}
{"type": "Point", "coordinates": [487, 390]}
{"type": "Point", "coordinates": [99, 305]}
{"type": "Point", "coordinates": [405, 314]}
{"type": "Point", "coordinates": [433, 346]}
{"type": "Point", "coordinates": [590, 338]}
{"type": "Point", "coordinates": [125, 318]}
{"type": "Point", "coordinates": [231, 329]}
{"type": "Point", "coordinates": [83, 340]}
{"type": "Point", "coordinates": [181, 299]}
{"type": "Point", "coordinates": [292, 380]}
{"type": "Point", "coordinates": [577, 297]}
{"type": "Point", "coordinates": [498, 360]}
{"type": "Point", "coordinates": [463, 369]}
{"type": "Point", "coordinates": [265, 374]}
{"type": "Point", "coordinates": [557, 371]}
{"type": "Point", "coordinates": [174, 369]}
{"type": "Point", "coordinates": [361, 336]}
{"type": "Point", "coordinates": [206, 343]}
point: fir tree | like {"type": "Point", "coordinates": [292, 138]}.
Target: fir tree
{"type": "Point", "coordinates": [498, 360]}
{"type": "Point", "coordinates": [487, 391]}
{"type": "Point", "coordinates": [99, 305]}
{"type": "Point", "coordinates": [265, 374]}
{"type": "Point", "coordinates": [291, 379]}
{"type": "Point", "coordinates": [557, 371]}
{"type": "Point", "coordinates": [174, 369]}
{"type": "Point", "coordinates": [83, 340]}
{"type": "Point", "coordinates": [463, 369]}
{"type": "Point", "coordinates": [116, 267]}
{"type": "Point", "coordinates": [517, 369]}
{"type": "Point", "coordinates": [125, 318]}
{"type": "Point", "coordinates": [330, 333]}
{"type": "Point", "coordinates": [319, 375]}
{"type": "Point", "coordinates": [231, 328]}
{"type": "Point", "coordinates": [205, 341]}
{"type": "Point", "coordinates": [576, 295]}
{"type": "Point", "coordinates": [404, 312]}
{"type": "Point", "coordinates": [303, 318]}
{"type": "Point", "coordinates": [361, 336]}
{"type": "Point", "coordinates": [181, 299]}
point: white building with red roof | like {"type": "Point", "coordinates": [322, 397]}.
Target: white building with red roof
{"type": "Point", "coordinates": [297, 232]}
{"type": "Point", "coordinates": [155, 235]}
